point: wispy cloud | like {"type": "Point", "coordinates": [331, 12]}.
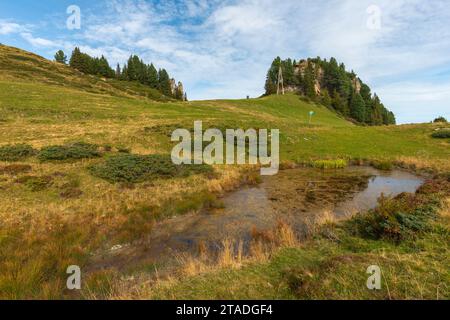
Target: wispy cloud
{"type": "Point", "coordinates": [10, 27]}
{"type": "Point", "coordinates": [222, 49]}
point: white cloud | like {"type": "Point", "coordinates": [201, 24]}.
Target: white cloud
{"type": "Point", "coordinates": [39, 42]}
{"type": "Point", "coordinates": [9, 28]}
{"type": "Point", "coordinates": [222, 49]}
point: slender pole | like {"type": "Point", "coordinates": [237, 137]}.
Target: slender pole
{"type": "Point", "coordinates": [280, 82]}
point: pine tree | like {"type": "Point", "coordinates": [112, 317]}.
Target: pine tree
{"type": "Point", "coordinates": [164, 83]}
{"type": "Point", "coordinates": [309, 81]}
{"type": "Point", "coordinates": [270, 86]}
{"type": "Point", "coordinates": [153, 79]}
{"type": "Point", "coordinates": [75, 59]}
{"type": "Point", "coordinates": [61, 57]}
{"type": "Point", "coordinates": [338, 103]}
{"type": "Point", "coordinates": [357, 107]}
{"type": "Point", "coordinates": [272, 76]}
{"type": "Point", "coordinates": [288, 72]}
{"type": "Point", "coordinates": [124, 75]}
{"type": "Point", "coordinates": [326, 99]}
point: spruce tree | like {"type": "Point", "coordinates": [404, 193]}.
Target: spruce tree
{"type": "Point", "coordinates": [75, 59]}
{"type": "Point", "coordinates": [61, 57]}
{"type": "Point", "coordinates": [153, 79]}
{"type": "Point", "coordinates": [164, 83]}
{"type": "Point", "coordinates": [309, 81]}
{"type": "Point", "coordinates": [357, 107]}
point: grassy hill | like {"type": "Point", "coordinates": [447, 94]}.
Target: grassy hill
{"type": "Point", "coordinates": [18, 64]}
{"type": "Point", "coordinates": [57, 213]}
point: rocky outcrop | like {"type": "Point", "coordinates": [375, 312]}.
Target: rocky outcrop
{"type": "Point", "coordinates": [300, 69]}
{"type": "Point", "coordinates": [177, 89]}
{"type": "Point", "coordinates": [356, 83]}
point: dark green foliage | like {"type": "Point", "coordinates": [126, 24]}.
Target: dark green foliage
{"type": "Point", "coordinates": [138, 168]}
{"type": "Point", "coordinates": [440, 120]}
{"type": "Point", "coordinates": [134, 70]}
{"type": "Point", "coordinates": [357, 108]}
{"type": "Point", "coordinates": [89, 65]}
{"type": "Point", "coordinates": [61, 57]}
{"type": "Point", "coordinates": [402, 218]}
{"type": "Point", "coordinates": [338, 88]}
{"type": "Point", "coordinates": [16, 152]}
{"type": "Point", "coordinates": [152, 76]}
{"type": "Point", "coordinates": [309, 81]}
{"type": "Point", "coordinates": [272, 77]}
{"type": "Point", "coordinates": [137, 70]}
{"type": "Point", "coordinates": [75, 151]}
{"type": "Point", "coordinates": [164, 83]}
{"type": "Point", "coordinates": [441, 134]}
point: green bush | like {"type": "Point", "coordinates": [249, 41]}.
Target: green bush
{"type": "Point", "coordinates": [138, 168]}
{"type": "Point", "coordinates": [441, 134]}
{"type": "Point", "coordinates": [16, 152]}
{"type": "Point", "coordinates": [75, 151]}
{"type": "Point", "coordinates": [396, 219]}
{"type": "Point", "coordinates": [440, 120]}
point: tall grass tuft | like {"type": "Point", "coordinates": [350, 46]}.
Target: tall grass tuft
{"type": "Point", "coordinates": [329, 164]}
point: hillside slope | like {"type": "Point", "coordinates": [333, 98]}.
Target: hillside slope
{"type": "Point", "coordinates": [20, 65]}
{"type": "Point", "coordinates": [56, 213]}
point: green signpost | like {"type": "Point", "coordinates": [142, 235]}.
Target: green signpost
{"type": "Point", "coordinates": [311, 113]}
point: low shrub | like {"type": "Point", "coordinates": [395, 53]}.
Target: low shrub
{"type": "Point", "coordinates": [398, 219]}
{"type": "Point", "coordinates": [16, 152]}
{"type": "Point", "coordinates": [75, 151]}
{"type": "Point", "coordinates": [329, 164]}
{"type": "Point", "coordinates": [441, 134]}
{"type": "Point", "coordinates": [440, 120]}
{"type": "Point", "coordinates": [138, 168]}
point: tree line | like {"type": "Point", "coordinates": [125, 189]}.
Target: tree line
{"type": "Point", "coordinates": [135, 69]}
{"type": "Point", "coordinates": [328, 83]}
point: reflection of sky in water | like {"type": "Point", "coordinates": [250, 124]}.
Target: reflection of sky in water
{"type": "Point", "coordinates": [389, 184]}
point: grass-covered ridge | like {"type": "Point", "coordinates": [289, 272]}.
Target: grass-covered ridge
{"type": "Point", "coordinates": [56, 212]}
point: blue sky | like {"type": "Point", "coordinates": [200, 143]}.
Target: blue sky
{"type": "Point", "coordinates": [222, 49]}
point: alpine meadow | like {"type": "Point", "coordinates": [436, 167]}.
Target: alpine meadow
{"type": "Point", "coordinates": [95, 207]}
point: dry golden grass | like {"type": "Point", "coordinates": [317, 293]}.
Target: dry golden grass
{"type": "Point", "coordinates": [424, 163]}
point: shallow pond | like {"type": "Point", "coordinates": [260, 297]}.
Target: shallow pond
{"type": "Point", "coordinates": [296, 196]}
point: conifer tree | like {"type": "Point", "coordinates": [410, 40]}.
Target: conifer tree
{"type": "Point", "coordinates": [309, 82]}
{"type": "Point", "coordinates": [153, 80]}
{"type": "Point", "coordinates": [164, 83]}
{"type": "Point", "coordinates": [357, 107]}
{"type": "Point", "coordinates": [61, 57]}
